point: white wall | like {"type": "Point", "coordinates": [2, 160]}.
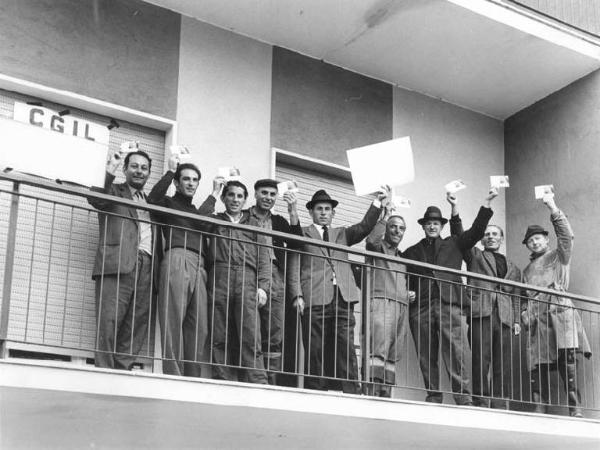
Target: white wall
{"type": "Point", "coordinates": [224, 102]}
{"type": "Point", "coordinates": [449, 143]}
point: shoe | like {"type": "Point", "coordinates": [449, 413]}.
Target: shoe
{"type": "Point", "coordinates": [536, 398]}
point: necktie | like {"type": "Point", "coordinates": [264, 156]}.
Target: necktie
{"type": "Point", "coordinates": [140, 195]}
{"type": "Point", "coordinates": [326, 237]}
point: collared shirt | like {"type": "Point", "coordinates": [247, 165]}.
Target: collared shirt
{"type": "Point", "coordinates": [144, 226]}
{"type": "Point", "coordinates": [234, 219]}
{"type": "Point", "coordinates": [320, 229]}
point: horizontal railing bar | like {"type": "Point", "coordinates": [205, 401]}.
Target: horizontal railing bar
{"type": "Point", "coordinates": [84, 192]}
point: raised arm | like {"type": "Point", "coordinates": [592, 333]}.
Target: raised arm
{"type": "Point", "coordinates": [375, 237]}
{"type": "Point", "coordinates": [293, 227]}
{"type": "Point", "coordinates": [208, 206]}
{"type": "Point", "coordinates": [158, 193]}
{"type": "Point", "coordinates": [359, 231]}
{"type": "Point", "coordinates": [113, 163]}
{"type": "Point", "coordinates": [563, 230]}
{"type": "Point", "coordinates": [456, 227]}
{"type": "Point", "coordinates": [470, 237]}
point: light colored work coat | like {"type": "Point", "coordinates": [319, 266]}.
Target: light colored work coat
{"type": "Point", "coordinates": [554, 322]}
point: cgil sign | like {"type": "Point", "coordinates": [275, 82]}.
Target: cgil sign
{"type": "Point", "coordinates": [39, 116]}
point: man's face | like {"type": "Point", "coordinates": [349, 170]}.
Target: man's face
{"type": "Point", "coordinates": [322, 213]}
{"type": "Point", "coordinates": [538, 243]}
{"type": "Point", "coordinates": [433, 228]}
{"type": "Point", "coordinates": [492, 239]}
{"type": "Point", "coordinates": [234, 200]}
{"type": "Point", "coordinates": [137, 171]}
{"type": "Point", "coordinates": [265, 197]}
{"type": "Point", "coordinates": [394, 231]}
{"type": "Point", "coordinates": [188, 182]}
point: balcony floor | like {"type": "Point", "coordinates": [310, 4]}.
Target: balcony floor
{"type": "Point", "coordinates": [53, 405]}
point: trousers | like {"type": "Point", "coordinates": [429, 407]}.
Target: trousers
{"type": "Point", "coordinates": [441, 324]}
{"type": "Point", "coordinates": [123, 313]}
{"type": "Point", "coordinates": [236, 332]}
{"type": "Point", "coordinates": [328, 339]}
{"type": "Point", "coordinates": [389, 325]}
{"type": "Point", "coordinates": [183, 312]}
{"type": "Point", "coordinates": [271, 323]}
{"type": "Point", "coordinates": [491, 344]}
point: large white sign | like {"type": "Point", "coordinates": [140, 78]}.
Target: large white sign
{"type": "Point", "coordinates": [39, 116]}
{"type": "Point", "coordinates": [389, 162]}
{"type": "Point", "coordinates": [51, 154]}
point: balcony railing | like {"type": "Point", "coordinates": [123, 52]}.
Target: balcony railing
{"type": "Point", "coordinates": [410, 333]}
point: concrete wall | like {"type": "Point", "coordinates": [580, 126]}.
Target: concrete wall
{"type": "Point", "coordinates": [224, 101]}
{"type": "Point", "coordinates": [448, 143]}
{"type": "Point", "coordinates": [322, 110]}
{"type": "Point", "coordinates": [120, 51]}
{"type": "Point", "coordinates": [556, 141]}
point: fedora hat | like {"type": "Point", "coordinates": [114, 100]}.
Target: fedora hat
{"type": "Point", "coordinates": [321, 196]}
{"type": "Point", "coordinates": [534, 229]}
{"type": "Point", "coordinates": [432, 213]}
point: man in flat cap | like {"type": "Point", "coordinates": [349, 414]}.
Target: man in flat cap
{"type": "Point", "coordinates": [555, 329]}
{"type": "Point", "coordinates": [272, 314]}
{"type": "Point", "coordinates": [327, 292]}
{"type": "Point", "coordinates": [436, 316]}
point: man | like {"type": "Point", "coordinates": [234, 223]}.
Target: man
{"type": "Point", "coordinates": [555, 329]}
{"type": "Point", "coordinates": [272, 314]}
{"type": "Point", "coordinates": [494, 314]}
{"type": "Point", "coordinates": [389, 303]}
{"type": "Point", "coordinates": [436, 317]}
{"type": "Point", "coordinates": [123, 265]}
{"type": "Point", "coordinates": [323, 282]}
{"type": "Point", "coordinates": [239, 283]}
{"type": "Point", "coordinates": [182, 298]}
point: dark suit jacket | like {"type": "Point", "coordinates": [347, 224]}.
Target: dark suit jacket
{"type": "Point", "coordinates": [316, 269]}
{"type": "Point", "coordinates": [448, 253]}
{"type": "Point", "coordinates": [483, 294]}
{"type": "Point", "coordinates": [118, 247]}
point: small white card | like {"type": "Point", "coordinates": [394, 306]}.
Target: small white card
{"type": "Point", "coordinates": [130, 146]}
{"type": "Point", "coordinates": [182, 152]}
{"type": "Point", "coordinates": [287, 186]}
{"type": "Point", "coordinates": [400, 201]}
{"type": "Point", "coordinates": [499, 181]}
{"type": "Point", "coordinates": [455, 186]}
{"type": "Point", "coordinates": [229, 173]}
{"type": "Point", "coordinates": [543, 190]}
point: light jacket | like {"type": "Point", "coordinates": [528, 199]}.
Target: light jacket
{"type": "Point", "coordinates": [554, 322]}
{"type": "Point", "coordinates": [389, 278]}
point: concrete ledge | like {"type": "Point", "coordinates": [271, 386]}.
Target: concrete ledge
{"type": "Point", "coordinates": [75, 407]}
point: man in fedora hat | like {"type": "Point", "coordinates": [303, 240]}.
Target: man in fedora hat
{"type": "Point", "coordinates": [494, 315]}
{"type": "Point", "coordinates": [272, 314]}
{"type": "Point", "coordinates": [323, 285]}
{"type": "Point", "coordinates": [436, 316]}
{"type": "Point", "coordinates": [555, 329]}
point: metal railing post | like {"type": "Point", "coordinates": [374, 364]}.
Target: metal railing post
{"type": "Point", "coordinates": [9, 261]}
{"type": "Point", "coordinates": [365, 350]}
